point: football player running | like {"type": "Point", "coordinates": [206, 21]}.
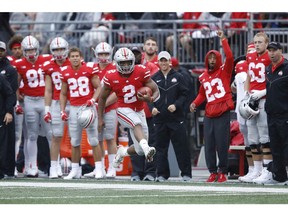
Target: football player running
{"type": "Point", "coordinates": [125, 82]}
{"type": "Point", "coordinates": [81, 83]}
{"type": "Point", "coordinates": [103, 53]}
{"type": "Point", "coordinates": [51, 70]}
{"type": "Point", "coordinates": [29, 70]}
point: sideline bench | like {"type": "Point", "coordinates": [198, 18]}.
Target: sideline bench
{"type": "Point", "coordinates": [240, 150]}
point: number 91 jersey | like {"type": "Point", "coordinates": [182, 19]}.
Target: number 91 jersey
{"type": "Point", "coordinates": [79, 83]}
{"type": "Point", "coordinates": [32, 75]}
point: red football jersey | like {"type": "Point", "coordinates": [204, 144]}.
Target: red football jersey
{"type": "Point", "coordinates": [32, 76]}
{"type": "Point", "coordinates": [126, 88]}
{"type": "Point", "coordinates": [52, 69]}
{"type": "Point", "coordinates": [80, 87]}
{"type": "Point", "coordinates": [256, 69]}
{"type": "Point", "coordinates": [101, 74]}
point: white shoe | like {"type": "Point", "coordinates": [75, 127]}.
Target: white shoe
{"type": "Point", "coordinates": [53, 173]}
{"type": "Point", "coordinates": [150, 153]}
{"type": "Point", "coordinates": [247, 176]}
{"type": "Point", "coordinates": [32, 172]}
{"type": "Point", "coordinates": [90, 175]}
{"type": "Point", "coordinates": [264, 177]}
{"type": "Point", "coordinates": [15, 172]}
{"type": "Point", "coordinates": [74, 174]}
{"type": "Point", "coordinates": [111, 173]}
{"type": "Point", "coordinates": [59, 170]}
{"type": "Point", "coordinates": [249, 179]}
{"type": "Point", "coordinates": [99, 174]}
{"type": "Point", "coordinates": [118, 157]}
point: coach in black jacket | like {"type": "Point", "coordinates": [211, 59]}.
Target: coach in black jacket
{"type": "Point", "coordinates": [11, 75]}
{"type": "Point", "coordinates": [276, 107]}
{"type": "Point", "coordinates": [169, 117]}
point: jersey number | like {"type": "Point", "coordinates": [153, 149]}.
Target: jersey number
{"type": "Point", "coordinates": [79, 86]}
{"type": "Point", "coordinates": [35, 78]}
{"type": "Point", "coordinates": [208, 86]}
{"type": "Point", "coordinates": [129, 96]}
{"type": "Point", "coordinates": [260, 67]}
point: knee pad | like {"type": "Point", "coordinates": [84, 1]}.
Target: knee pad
{"type": "Point", "coordinates": [93, 141]}
{"type": "Point", "coordinates": [75, 142]}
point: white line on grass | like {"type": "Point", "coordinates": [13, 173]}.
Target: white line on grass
{"type": "Point", "coordinates": [145, 187]}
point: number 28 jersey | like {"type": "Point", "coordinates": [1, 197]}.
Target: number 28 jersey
{"type": "Point", "coordinates": [126, 87]}
{"type": "Point", "coordinates": [80, 88]}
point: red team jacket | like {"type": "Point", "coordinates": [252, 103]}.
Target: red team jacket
{"type": "Point", "coordinates": [215, 84]}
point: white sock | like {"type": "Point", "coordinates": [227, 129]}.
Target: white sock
{"type": "Point", "coordinates": [75, 166]}
{"type": "Point", "coordinates": [258, 166]}
{"type": "Point", "coordinates": [98, 165]}
{"type": "Point", "coordinates": [144, 144]}
{"type": "Point", "coordinates": [54, 163]}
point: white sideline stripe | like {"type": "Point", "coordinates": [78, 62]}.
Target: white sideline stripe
{"type": "Point", "coordinates": [146, 187]}
{"type": "Point", "coordinates": [125, 196]}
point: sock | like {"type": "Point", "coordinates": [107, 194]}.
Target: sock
{"type": "Point", "coordinates": [54, 163]}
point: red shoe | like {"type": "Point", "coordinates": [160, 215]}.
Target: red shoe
{"type": "Point", "coordinates": [212, 177]}
{"type": "Point", "coordinates": [221, 177]}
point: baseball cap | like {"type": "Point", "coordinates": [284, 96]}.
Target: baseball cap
{"type": "Point", "coordinates": [164, 54]}
{"type": "Point", "coordinates": [274, 45]}
{"type": "Point", "coordinates": [174, 62]}
{"type": "Point", "coordinates": [136, 49]}
{"type": "Point", "coordinates": [2, 45]}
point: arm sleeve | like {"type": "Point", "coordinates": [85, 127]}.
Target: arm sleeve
{"type": "Point", "coordinates": [229, 62]}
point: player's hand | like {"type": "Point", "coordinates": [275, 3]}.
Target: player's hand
{"type": "Point", "coordinates": [101, 125]}
{"type": "Point", "coordinates": [64, 116]}
{"type": "Point", "coordinates": [145, 97]}
{"type": "Point", "coordinates": [258, 94]}
{"type": "Point", "coordinates": [47, 117]}
{"type": "Point", "coordinates": [220, 34]}
{"type": "Point", "coordinates": [90, 102]}
{"type": "Point", "coordinates": [192, 107]}
{"type": "Point", "coordinates": [19, 110]}
{"type": "Point", "coordinates": [172, 108]}
{"type": "Point", "coordinates": [155, 111]}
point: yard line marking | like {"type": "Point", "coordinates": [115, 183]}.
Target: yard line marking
{"type": "Point", "coordinates": [146, 187]}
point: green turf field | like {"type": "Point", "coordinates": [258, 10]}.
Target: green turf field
{"type": "Point", "coordinates": [122, 191]}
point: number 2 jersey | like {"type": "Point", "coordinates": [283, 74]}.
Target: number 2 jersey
{"type": "Point", "coordinates": [126, 87]}
{"type": "Point", "coordinates": [215, 84]}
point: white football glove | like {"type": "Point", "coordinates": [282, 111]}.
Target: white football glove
{"type": "Point", "coordinates": [257, 94]}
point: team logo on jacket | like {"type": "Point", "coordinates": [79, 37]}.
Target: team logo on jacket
{"type": "Point", "coordinates": [280, 73]}
{"type": "Point", "coordinates": [174, 80]}
{"type": "Point", "coordinates": [3, 72]}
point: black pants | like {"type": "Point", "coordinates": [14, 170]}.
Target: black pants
{"type": "Point", "coordinates": [176, 133]}
{"type": "Point", "coordinates": [217, 139]}
{"type": "Point", "coordinates": [140, 166]}
{"type": "Point", "coordinates": [278, 133]}
{"type": "Point", "coordinates": [7, 155]}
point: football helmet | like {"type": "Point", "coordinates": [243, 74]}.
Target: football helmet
{"type": "Point", "coordinates": [86, 116]}
{"type": "Point", "coordinates": [30, 43]}
{"type": "Point", "coordinates": [66, 165]}
{"type": "Point", "coordinates": [103, 47]}
{"type": "Point", "coordinates": [248, 108]}
{"type": "Point", "coordinates": [124, 60]}
{"type": "Point", "coordinates": [59, 43]}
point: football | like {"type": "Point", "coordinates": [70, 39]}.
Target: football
{"type": "Point", "coordinates": [145, 90]}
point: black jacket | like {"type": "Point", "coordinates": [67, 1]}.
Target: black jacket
{"type": "Point", "coordinates": [10, 73]}
{"type": "Point", "coordinates": [277, 89]}
{"type": "Point", "coordinates": [7, 99]}
{"type": "Point", "coordinates": [173, 90]}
